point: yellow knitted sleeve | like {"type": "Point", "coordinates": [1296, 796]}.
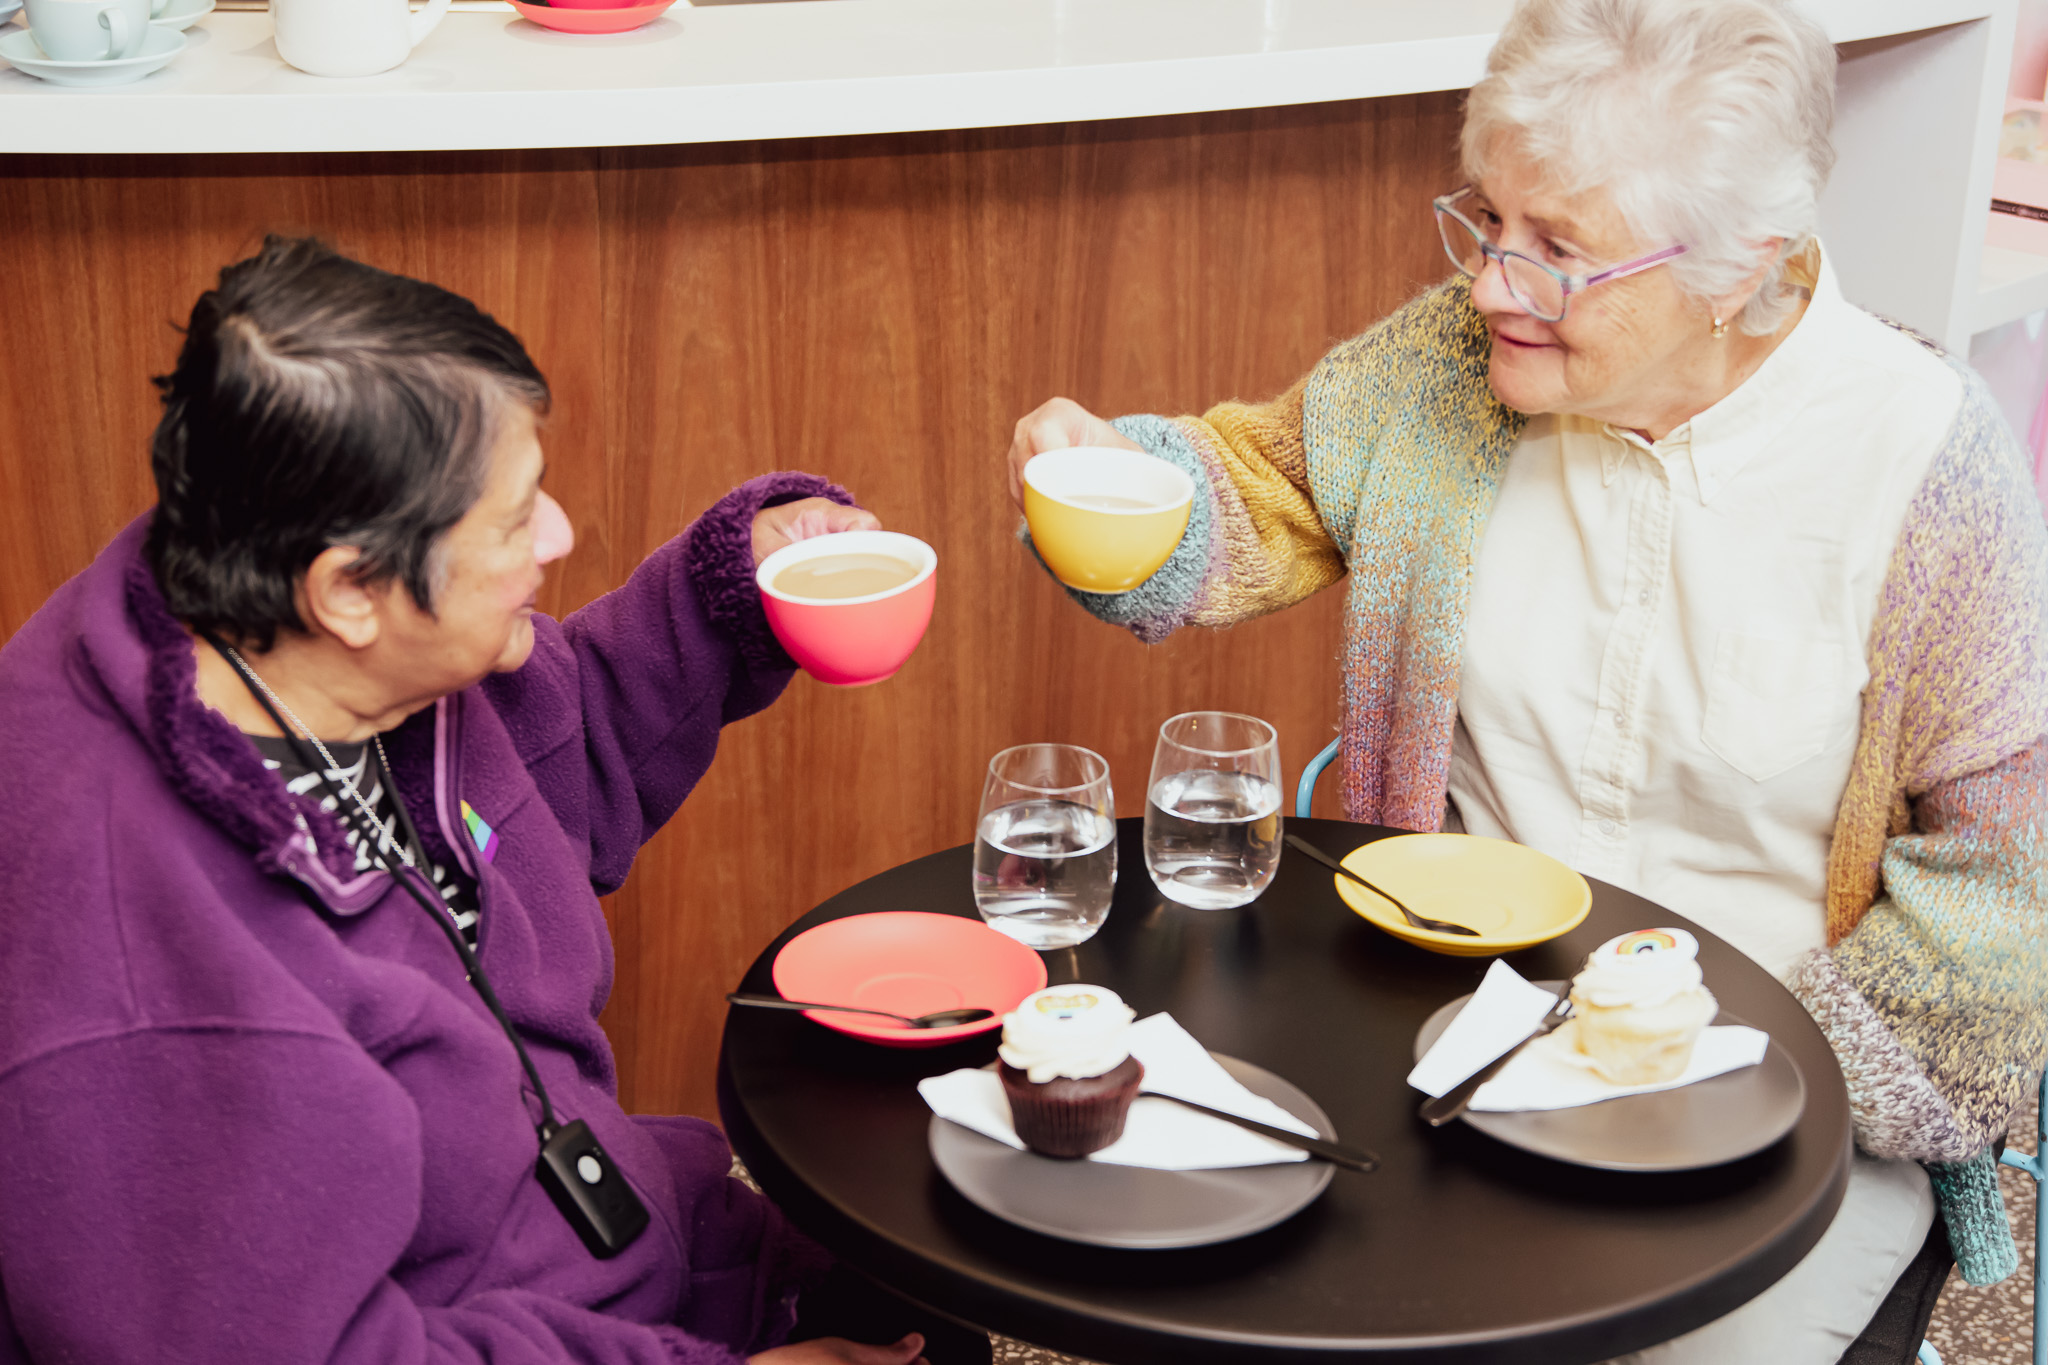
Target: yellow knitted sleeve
{"type": "Point", "coordinates": [1268, 547]}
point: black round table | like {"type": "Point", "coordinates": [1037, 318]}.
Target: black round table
{"type": "Point", "coordinates": [1458, 1249]}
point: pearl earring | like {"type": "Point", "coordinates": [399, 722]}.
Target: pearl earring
{"type": "Point", "coordinates": [1720, 327]}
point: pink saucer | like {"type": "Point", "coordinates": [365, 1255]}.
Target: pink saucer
{"type": "Point", "coordinates": [906, 962]}
{"type": "Point", "coordinates": [571, 17]}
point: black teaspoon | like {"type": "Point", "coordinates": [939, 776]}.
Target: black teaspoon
{"type": "Point", "coordinates": [1438, 926]}
{"type": "Point", "coordinates": [936, 1019]}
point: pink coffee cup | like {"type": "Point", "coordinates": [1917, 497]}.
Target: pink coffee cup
{"type": "Point", "coordinates": [851, 641]}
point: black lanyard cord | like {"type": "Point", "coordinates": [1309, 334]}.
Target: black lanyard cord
{"type": "Point", "coordinates": [429, 901]}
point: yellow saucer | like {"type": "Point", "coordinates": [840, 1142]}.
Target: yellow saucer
{"type": "Point", "coordinates": [1514, 896]}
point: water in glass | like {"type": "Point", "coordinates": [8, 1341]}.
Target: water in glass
{"type": "Point", "coordinates": [1212, 809]}
{"type": "Point", "coordinates": [1212, 839]}
{"type": "Point", "coordinates": [1044, 871]}
{"type": "Point", "coordinates": [1045, 844]}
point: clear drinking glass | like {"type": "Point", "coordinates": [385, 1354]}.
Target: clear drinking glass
{"type": "Point", "coordinates": [1212, 811]}
{"type": "Point", "coordinates": [1045, 846]}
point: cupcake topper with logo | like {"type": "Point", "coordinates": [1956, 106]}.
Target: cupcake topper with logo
{"type": "Point", "coordinates": [1066, 1030]}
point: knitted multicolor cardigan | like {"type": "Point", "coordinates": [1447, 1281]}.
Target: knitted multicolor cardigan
{"type": "Point", "coordinates": [1384, 462]}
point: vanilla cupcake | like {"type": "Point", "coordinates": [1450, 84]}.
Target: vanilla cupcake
{"type": "Point", "coordinates": [1067, 1069]}
{"type": "Point", "coordinates": [1639, 1006]}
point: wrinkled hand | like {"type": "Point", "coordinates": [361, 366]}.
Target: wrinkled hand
{"type": "Point", "coordinates": [840, 1351]}
{"type": "Point", "coordinates": [1057, 425]}
{"type": "Point", "coordinates": [775, 527]}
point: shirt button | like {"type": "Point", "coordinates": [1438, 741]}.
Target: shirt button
{"type": "Point", "coordinates": [1644, 597]}
{"type": "Point", "coordinates": [1607, 827]}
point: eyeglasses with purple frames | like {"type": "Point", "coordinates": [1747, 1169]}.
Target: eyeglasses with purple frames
{"type": "Point", "coordinates": [1545, 292]}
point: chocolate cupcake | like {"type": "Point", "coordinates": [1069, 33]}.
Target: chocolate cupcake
{"type": "Point", "coordinates": [1067, 1071]}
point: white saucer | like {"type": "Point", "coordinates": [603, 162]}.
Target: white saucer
{"type": "Point", "coordinates": [179, 14]}
{"type": "Point", "coordinates": [158, 47]}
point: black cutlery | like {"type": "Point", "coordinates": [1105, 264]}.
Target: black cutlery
{"type": "Point", "coordinates": [1336, 1153]}
{"type": "Point", "coordinates": [1436, 926]}
{"type": "Point", "coordinates": [936, 1019]}
{"type": "Point", "coordinates": [1453, 1102]}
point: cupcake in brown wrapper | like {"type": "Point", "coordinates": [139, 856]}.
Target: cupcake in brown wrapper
{"type": "Point", "coordinates": [1065, 1117]}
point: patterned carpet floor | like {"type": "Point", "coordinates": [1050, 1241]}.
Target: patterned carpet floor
{"type": "Point", "coordinates": [1995, 1326]}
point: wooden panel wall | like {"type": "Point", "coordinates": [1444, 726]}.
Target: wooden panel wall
{"type": "Point", "coordinates": [880, 310]}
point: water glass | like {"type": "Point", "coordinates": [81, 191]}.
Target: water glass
{"type": "Point", "coordinates": [1045, 845]}
{"type": "Point", "coordinates": [1212, 811]}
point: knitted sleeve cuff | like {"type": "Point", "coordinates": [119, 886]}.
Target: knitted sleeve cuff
{"type": "Point", "coordinates": [1979, 1233]}
{"type": "Point", "coordinates": [1162, 603]}
{"type": "Point", "coordinates": [718, 556]}
{"type": "Point", "coordinates": [1897, 1110]}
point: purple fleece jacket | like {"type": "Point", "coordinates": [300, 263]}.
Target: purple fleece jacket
{"type": "Point", "coordinates": [249, 1108]}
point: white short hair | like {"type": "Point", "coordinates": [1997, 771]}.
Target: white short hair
{"type": "Point", "coordinates": [1705, 120]}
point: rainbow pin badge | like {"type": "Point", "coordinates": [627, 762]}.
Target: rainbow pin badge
{"type": "Point", "coordinates": [486, 838]}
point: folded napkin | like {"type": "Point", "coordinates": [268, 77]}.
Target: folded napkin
{"type": "Point", "coordinates": [1159, 1133]}
{"type": "Point", "coordinates": [1551, 1073]}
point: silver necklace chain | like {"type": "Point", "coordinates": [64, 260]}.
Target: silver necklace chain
{"type": "Point", "coordinates": [384, 839]}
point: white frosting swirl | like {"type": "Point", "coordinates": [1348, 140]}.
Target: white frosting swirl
{"type": "Point", "coordinates": [1643, 968]}
{"type": "Point", "coordinates": [1070, 1031]}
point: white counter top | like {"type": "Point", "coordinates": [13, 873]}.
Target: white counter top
{"type": "Point", "coordinates": [488, 79]}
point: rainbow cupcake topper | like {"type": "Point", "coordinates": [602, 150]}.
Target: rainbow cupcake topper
{"type": "Point", "coordinates": [1650, 943]}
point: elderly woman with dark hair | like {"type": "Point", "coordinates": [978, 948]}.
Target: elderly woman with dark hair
{"type": "Point", "coordinates": [1667, 560]}
{"type": "Point", "coordinates": [305, 817]}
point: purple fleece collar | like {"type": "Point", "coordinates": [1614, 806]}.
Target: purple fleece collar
{"type": "Point", "coordinates": [212, 765]}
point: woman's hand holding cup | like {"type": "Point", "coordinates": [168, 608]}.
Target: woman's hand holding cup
{"type": "Point", "coordinates": [1059, 424]}
{"type": "Point", "coordinates": [789, 522]}
{"type": "Point", "coordinates": [1105, 513]}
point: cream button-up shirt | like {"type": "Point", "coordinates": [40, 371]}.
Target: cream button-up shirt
{"type": "Point", "coordinates": [1664, 656]}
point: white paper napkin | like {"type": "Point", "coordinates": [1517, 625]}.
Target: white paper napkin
{"type": "Point", "coordinates": [1551, 1073]}
{"type": "Point", "coordinates": [1159, 1133]}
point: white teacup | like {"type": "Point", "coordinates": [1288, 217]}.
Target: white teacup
{"type": "Point", "coordinates": [350, 37]}
{"type": "Point", "coordinates": [90, 30]}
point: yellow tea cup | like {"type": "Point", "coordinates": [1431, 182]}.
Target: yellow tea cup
{"type": "Point", "coordinates": [1105, 519]}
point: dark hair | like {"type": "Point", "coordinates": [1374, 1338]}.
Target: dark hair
{"type": "Point", "coordinates": [318, 401]}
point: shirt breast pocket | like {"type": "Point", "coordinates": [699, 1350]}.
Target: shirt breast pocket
{"type": "Point", "coordinates": [1771, 703]}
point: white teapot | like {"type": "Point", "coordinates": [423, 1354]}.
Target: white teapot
{"type": "Point", "coordinates": [350, 37]}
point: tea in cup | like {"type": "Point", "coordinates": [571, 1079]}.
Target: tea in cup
{"type": "Point", "coordinates": [1105, 519]}
{"type": "Point", "coordinates": [850, 607]}
{"type": "Point", "coordinates": [89, 30]}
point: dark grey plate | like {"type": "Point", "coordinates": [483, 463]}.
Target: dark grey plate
{"type": "Point", "coordinates": [1126, 1206]}
{"type": "Point", "coordinates": [1712, 1123]}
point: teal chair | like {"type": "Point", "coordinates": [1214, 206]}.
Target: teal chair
{"type": "Point", "coordinates": [2035, 1165]}
{"type": "Point", "coordinates": [1306, 790]}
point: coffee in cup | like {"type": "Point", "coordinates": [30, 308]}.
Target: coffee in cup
{"type": "Point", "coordinates": [850, 607]}
{"type": "Point", "coordinates": [829, 578]}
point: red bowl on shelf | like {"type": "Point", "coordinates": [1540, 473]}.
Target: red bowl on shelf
{"type": "Point", "coordinates": [582, 16]}
{"type": "Point", "coordinates": [906, 962]}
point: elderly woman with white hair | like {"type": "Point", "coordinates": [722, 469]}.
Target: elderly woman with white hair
{"type": "Point", "coordinates": [1668, 561]}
